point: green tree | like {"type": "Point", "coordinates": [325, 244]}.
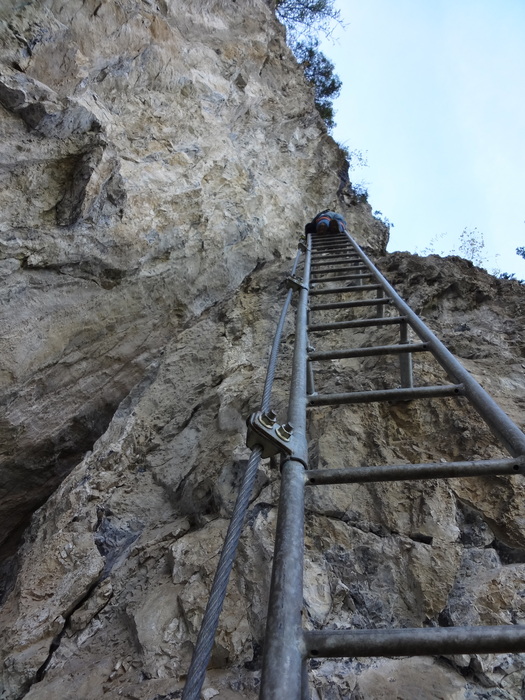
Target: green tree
{"type": "Point", "coordinates": [521, 252]}
{"type": "Point", "coordinates": [304, 21]}
{"type": "Point", "coordinates": [306, 18]}
{"type": "Point", "coordinates": [319, 72]}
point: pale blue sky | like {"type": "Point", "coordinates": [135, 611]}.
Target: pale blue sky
{"type": "Point", "coordinates": [434, 92]}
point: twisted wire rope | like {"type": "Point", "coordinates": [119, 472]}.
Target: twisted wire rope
{"type": "Point", "coordinates": [210, 620]}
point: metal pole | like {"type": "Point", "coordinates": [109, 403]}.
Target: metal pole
{"type": "Point", "coordinates": [206, 636]}
{"type": "Point", "coordinates": [305, 688]}
{"type": "Point", "coordinates": [380, 312]}
{"type": "Point", "coordinates": [425, 641]}
{"type": "Point", "coordinates": [403, 472]}
{"type": "Point", "coordinates": [283, 652]}
{"type": "Point", "coordinates": [417, 392]}
{"type": "Point", "coordinates": [405, 361]}
{"type": "Point", "coordinates": [282, 671]}
{"type": "Point", "coordinates": [500, 424]}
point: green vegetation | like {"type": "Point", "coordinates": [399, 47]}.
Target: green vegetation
{"type": "Point", "coordinates": [379, 215]}
{"type": "Point", "coordinates": [510, 275]}
{"type": "Point", "coordinates": [306, 18]}
{"type": "Point", "coordinates": [319, 72]}
{"type": "Point", "coordinates": [469, 245]}
{"type": "Point", "coordinates": [304, 21]}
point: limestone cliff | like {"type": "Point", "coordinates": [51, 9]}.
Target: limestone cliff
{"type": "Point", "coordinates": [159, 160]}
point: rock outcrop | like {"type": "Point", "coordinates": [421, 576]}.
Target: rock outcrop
{"type": "Point", "coordinates": [159, 160]}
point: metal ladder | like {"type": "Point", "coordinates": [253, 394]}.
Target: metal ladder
{"type": "Point", "coordinates": [330, 259]}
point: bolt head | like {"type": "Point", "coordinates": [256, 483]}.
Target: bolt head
{"type": "Point", "coordinates": [267, 419]}
{"type": "Point", "coordinates": [285, 431]}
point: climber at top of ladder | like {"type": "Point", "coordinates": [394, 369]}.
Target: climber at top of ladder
{"type": "Point", "coordinates": [326, 221]}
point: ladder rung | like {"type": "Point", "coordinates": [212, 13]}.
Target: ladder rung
{"type": "Point", "coordinates": [401, 472]}
{"type": "Point", "coordinates": [333, 244]}
{"type": "Point", "coordinates": [338, 248]}
{"type": "Point", "coordinates": [352, 268]}
{"type": "Point", "coordinates": [418, 392]}
{"type": "Point", "coordinates": [334, 262]}
{"type": "Point", "coordinates": [350, 304]}
{"type": "Point", "coordinates": [340, 278]}
{"type": "Point", "coordinates": [419, 641]}
{"type": "Point", "coordinates": [342, 266]}
{"type": "Point", "coordinates": [344, 290]}
{"type": "Point", "coordinates": [334, 257]}
{"type": "Point", "coordinates": [357, 323]}
{"type": "Point", "coordinates": [367, 352]}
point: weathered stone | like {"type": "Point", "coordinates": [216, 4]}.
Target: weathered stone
{"type": "Point", "coordinates": [159, 162]}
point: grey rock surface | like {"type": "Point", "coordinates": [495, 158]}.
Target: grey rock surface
{"type": "Point", "coordinates": [159, 161]}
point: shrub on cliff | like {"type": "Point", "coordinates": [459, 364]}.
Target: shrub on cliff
{"type": "Point", "coordinates": [304, 20]}
{"type": "Point", "coordinates": [319, 72]}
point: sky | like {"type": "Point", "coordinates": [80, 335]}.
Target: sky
{"type": "Point", "coordinates": [434, 95]}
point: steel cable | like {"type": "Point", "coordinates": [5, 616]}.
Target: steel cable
{"type": "Point", "coordinates": [272, 360]}
{"type": "Point", "coordinates": [206, 636]}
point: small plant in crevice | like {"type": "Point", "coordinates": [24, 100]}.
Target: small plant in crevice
{"type": "Point", "coordinates": [361, 191]}
{"type": "Point", "coordinates": [352, 160]}
{"type": "Point", "coordinates": [379, 215]}
{"type": "Point", "coordinates": [510, 275]}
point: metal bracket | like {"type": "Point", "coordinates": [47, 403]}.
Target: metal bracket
{"type": "Point", "coordinates": [294, 283]}
{"type": "Point", "coordinates": [264, 430]}
{"type": "Point", "coordinates": [302, 246]}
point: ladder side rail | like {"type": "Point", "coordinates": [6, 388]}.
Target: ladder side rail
{"type": "Point", "coordinates": [497, 420]}
{"type": "Point", "coordinates": [283, 674]}
{"type": "Point", "coordinates": [206, 637]}
{"type": "Point", "coordinates": [282, 669]}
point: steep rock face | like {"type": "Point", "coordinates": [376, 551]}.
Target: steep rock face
{"type": "Point", "coordinates": [160, 160]}
{"type": "Point", "coordinates": [152, 156]}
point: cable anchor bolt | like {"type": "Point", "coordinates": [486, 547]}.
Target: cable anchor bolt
{"type": "Point", "coordinates": [263, 430]}
{"type": "Point", "coordinates": [285, 431]}
{"type": "Point", "coordinates": [294, 283]}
